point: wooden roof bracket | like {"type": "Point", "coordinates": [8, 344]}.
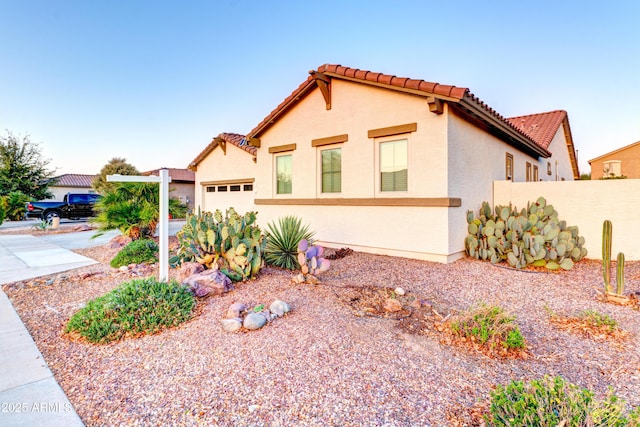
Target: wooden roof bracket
{"type": "Point", "coordinates": [222, 143]}
{"type": "Point", "coordinates": [253, 142]}
{"type": "Point", "coordinates": [435, 105]}
{"type": "Point", "coordinates": [324, 84]}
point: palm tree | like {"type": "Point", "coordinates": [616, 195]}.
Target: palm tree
{"type": "Point", "coordinates": [131, 207]}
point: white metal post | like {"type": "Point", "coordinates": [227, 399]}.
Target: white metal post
{"type": "Point", "coordinates": [163, 222]}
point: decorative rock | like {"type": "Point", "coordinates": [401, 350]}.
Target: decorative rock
{"type": "Point", "coordinates": [279, 308]}
{"type": "Point", "coordinates": [235, 310]}
{"type": "Point", "coordinates": [188, 269]}
{"type": "Point", "coordinates": [298, 279]}
{"type": "Point", "coordinates": [124, 268]}
{"type": "Point", "coordinates": [254, 321]}
{"type": "Point", "coordinates": [267, 315]}
{"type": "Point", "coordinates": [208, 282]}
{"type": "Point", "coordinates": [392, 305]}
{"type": "Point", "coordinates": [231, 325]}
{"type": "Point", "coordinates": [119, 242]}
{"type": "Point", "coordinates": [311, 279]}
{"type": "Point", "coordinates": [399, 291]}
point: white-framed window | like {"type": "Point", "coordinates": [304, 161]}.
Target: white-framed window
{"type": "Point", "coordinates": [284, 174]}
{"type": "Point", "coordinates": [331, 170]}
{"type": "Point", "coordinates": [509, 166]}
{"type": "Point", "coordinates": [394, 165]}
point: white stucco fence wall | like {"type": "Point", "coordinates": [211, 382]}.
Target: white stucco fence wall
{"type": "Point", "coordinates": [586, 204]}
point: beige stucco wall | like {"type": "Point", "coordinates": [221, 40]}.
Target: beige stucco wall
{"type": "Point", "coordinates": [183, 191]}
{"type": "Point", "coordinates": [355, 109]}
{"type": "Point", "coordinates": [416, 232]}
{"type": "Point", "coordinates": [630, 162]}
{"type": "Point", "coordinates": [218, 166]}
{"type": "Point", "coordinates": [586, 204]}
{"type": "Point", "coordinates": [560, 157]}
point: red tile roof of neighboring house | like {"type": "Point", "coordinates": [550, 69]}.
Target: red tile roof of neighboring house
{"type": "Point", "coordinates": [540, 127]}
{"type": "Point", "coordinates": [231, 138]}
{"type": "Point", "coordinates": [177, 175]}
{"type": "Point", "coordinates": [73, 180]}
{"type": "Point", "coordinates": [458, 97]}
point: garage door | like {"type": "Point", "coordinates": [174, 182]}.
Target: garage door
{"type": "Point", "coordinates": [222, 196]}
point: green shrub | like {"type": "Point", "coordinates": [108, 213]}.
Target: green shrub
{"type": "Point", "coordinates": [598, 319]}
{"type": "Point", "coordinates": [177, 209]}
{"type": "Point", "coordinates": [232, 243]}
{"type": "Point", "coordinates": [282, 242]}
{"type": "Point", "coordinates": [15, 205]}
{"type": "Point", "coordinates": [136, 252]}
{"type": "Point", "coordinates": [489, 325]}
{"type": "Point", "coordinates": [2, 210]}
{"type": "Point", "coordinates": [551, 401]}
{"type": "Point", "coordinates": [141, 306]}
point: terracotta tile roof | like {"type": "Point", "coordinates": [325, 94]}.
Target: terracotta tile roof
{"type": "Point", "coordinates": [177, 175]}
{"type": "Point", "coordinates": [459, 97]}
{"type": "Point", "coordinates": [73, 180]}
{"type": "Point", "coordinates": [230, 138]}
{"type": "Point", "coordinates": [540, 127]}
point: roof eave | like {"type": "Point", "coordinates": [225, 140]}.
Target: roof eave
{"type": "Point", "coordinates": [499, 128]}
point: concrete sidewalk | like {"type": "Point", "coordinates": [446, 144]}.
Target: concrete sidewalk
{"type": "Point", "coordinates": [29, 393]}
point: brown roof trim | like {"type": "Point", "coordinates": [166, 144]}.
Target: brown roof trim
{"type": "Point", "coordinates": [231, 138]}
{"type": "Point", "coordinates": [337, 139]}
{"type": "Point", "coordinates": [614, 151]}
{"type": "Point", "coordinates": [470, 105]}
{"type": "Point", "coordinates": [446, 202]}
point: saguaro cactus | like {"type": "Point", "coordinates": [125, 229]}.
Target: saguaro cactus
{"type": "Point", "coordinates": [620, 274]}
{"type": "Point", "coordinates": [607, 228]}
{"type": "Point", "coordinates": [606, 254]}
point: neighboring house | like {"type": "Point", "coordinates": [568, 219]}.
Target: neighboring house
{"type": "Point", "coordinates": [389, 165]}
{"type": "Point", "coordinates": [624, 161]}
{"type": "Point", "coordinates": [225, 174]}
{"type": "Point", "coordinates": [181, 186]}
{"type": "Point", "coordinates": [71, 183]}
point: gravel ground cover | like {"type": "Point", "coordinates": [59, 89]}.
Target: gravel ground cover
{"type": "Point", "coordinates": [335, 359]}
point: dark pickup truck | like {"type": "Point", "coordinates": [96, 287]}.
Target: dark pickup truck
{"type": "Point", "coordinates": [74, 206]}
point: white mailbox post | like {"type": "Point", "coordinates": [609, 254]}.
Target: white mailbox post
{"type": "Point", "coordinates": [163, 223]}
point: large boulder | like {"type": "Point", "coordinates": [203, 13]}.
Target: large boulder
{"type": "Point", "coordinates": [188, 269]}
{"type": "Point", "coordinates": [208, 282]}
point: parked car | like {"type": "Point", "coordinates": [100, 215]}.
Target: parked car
{"type": "Point", "coordinates": [73, 206]}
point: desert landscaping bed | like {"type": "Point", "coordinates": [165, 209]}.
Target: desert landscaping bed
{"type": "Point", "coordinates": [336, 358]}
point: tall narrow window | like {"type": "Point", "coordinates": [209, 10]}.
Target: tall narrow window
{"type": "Point", "coordinates": [535, 173]}
{"type": "Point", "coordinates": [332, 170]}
{"type": "Point", "coordinates": [394, 166]}
{"type": "Point", "coordinates": [509, 166]}
{"type": "Point", "coordinates": [284, 174]}
{"type": "Point", "coordinates": [529, 172]}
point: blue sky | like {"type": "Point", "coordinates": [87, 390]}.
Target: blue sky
{"type": "Point", "coordinates": [154, 81]}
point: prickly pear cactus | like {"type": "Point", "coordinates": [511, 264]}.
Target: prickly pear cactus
{"type": "Point", "coordinates": [233, 243]}
{"type": "Point", "coordinates": [310, 258]}
{"type": "Point", "coordinates": [532, 236]}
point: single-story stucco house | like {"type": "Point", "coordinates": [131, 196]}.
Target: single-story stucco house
{"type": "Point", "coordinates": [624, 161]}
{"type": "Point", "coordinates": [381, 164]}
{"type": "Point", "coordinates": [182, 185]}
{"type": "Point", "coordinates": [71, 183]}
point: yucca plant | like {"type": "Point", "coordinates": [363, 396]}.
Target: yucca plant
{"type": "Point", "coordinates": [283, 238]}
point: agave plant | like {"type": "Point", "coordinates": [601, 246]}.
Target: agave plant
{"type": "Point", "coordinates": [283, 238]}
